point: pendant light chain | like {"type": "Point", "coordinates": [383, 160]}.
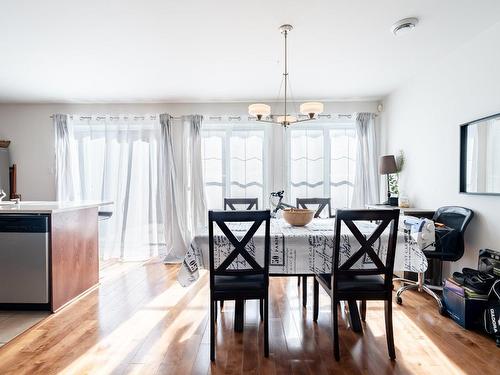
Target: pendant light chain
{"type": "Point", "coordinates": [286, 73]}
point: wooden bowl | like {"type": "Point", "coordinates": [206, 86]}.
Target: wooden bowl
{"type": "Point", "coordinates": [298, 217]}
{"type": "Point", "coordinates": [4, 144]}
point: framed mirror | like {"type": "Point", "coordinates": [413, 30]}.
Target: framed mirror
{"type": "Point", "coordinates": [480, 156]}
{"type": "Point", "coordinates": [4, 172]}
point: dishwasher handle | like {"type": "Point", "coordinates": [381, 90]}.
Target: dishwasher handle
{"type": "Point", "coordinates": [24, 223]}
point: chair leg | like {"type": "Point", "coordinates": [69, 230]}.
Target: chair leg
{"type": "Point", "coordinates": [221, 305]}
{"type": "Point", "coordinates": [213, 309]}
{"type": "Point", "coordinates": [388, 329]}
{"type": "Point", "coordinates": [261, 309]}
{"type": "Point", "coordinates": [298, 281]}
{"type": "Point", "coordinates": [304, 291]}
{"type": "Point", "coordinates": [266, 326]}
{"type": "Point", "coordinates": [315, 299]}
{"type": "Point", "coordinates": [363, 310]}
{"type": "Point", "coordinates": [335, 327]}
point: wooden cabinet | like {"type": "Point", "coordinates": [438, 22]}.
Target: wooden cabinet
{"type": "Point", "coordinates": [74, 257]}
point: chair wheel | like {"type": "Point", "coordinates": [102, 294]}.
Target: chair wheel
{"type": "Point", "coordinates": [399, 300]}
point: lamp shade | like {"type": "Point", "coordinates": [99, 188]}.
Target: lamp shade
{"type": "Point", "coordinates": [286, 119]}
{"type": "Point", "coordinates": [311, 108]}
{"type": "Point", "coordinates": [259, 110]}
{"type": "Point", "coordinates": [387, 164]}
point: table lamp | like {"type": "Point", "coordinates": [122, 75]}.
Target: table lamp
{"type": "Point", "coordinates": [388, 166]}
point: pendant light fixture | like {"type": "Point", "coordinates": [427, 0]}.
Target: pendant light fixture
{"type": "Point", "coordinates": [262, 112]}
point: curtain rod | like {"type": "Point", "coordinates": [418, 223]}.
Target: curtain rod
{"type": "Point", "coordinates": [220, 118]}
{"type": "Point", "coordinates": [151, 117]}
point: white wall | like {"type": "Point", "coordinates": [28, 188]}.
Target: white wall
{"type": "Point", "coordinates": [423, 118]}
{"type": "Point", "coordinates": [30, 129]}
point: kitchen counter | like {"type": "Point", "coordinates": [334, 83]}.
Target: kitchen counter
{"type": "Point", "coordinates": [49, 253]}
{"type": "Point", "coordinates": [47, 207]}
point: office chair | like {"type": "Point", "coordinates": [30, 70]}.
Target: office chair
{"type": "Point", "coordinates": [449, 247]}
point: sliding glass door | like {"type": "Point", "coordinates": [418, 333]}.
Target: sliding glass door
{"type": "Point", "coordinates": [118, 160]}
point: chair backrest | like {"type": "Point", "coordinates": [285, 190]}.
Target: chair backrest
{"type": "Point", "coordinates": [250, 203]}
{"type": "Point", "coordinates": [322, 203]}
{"type": "Point", "coordinates": [225, 267]}
{"type": "Point", "coordinates": [455, 217]}
{"type": "Point", "coordinates": [366, 253]}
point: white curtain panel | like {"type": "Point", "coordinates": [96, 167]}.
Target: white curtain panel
{"type": "Point", "coordinates": [65, 186]}
{"type": "Point", "coordinates": [149, 166]}
{"type": "Point", "coordinates": [196, 201]}
{"type": "Point", "coordinates": [184, 195]}
{"type": "Point", "coordinates": [116, 158]}
{"type": "Point", "coordinates": [366, 181]}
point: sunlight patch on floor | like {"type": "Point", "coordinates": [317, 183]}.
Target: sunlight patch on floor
{"type": "Point", "coordinates": [136, 328]}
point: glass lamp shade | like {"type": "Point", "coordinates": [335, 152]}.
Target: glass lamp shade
{"type": "Point", "coordinates": [286, 119]}
{"type": "Point", "coordinates": [259, 110]}
{"type": "Point", "coordinates": [311, 108]}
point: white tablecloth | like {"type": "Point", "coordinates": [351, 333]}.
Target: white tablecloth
{"type": "Point", "coordinates": [299, 250]}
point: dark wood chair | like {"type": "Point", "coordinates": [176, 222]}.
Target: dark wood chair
{"type": "Point", "coordinates": [250, 203]}
{"type": "Point", "coordinates": [321, 204]}
{"type": "Point", "coordinates": [346, 283]}
{"type": "Point", "coordinates": [229, 283]}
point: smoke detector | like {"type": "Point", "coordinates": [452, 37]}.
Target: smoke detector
{"type": "Point", "coordinates": [404, 25]}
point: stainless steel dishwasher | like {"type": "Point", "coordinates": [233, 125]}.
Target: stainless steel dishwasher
{"type": "Point", "coordinates": [24, 258]}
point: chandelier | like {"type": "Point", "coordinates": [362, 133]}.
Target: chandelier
{"type": "Point", "coordinates": [262, 111]}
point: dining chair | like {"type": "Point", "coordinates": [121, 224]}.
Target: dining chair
{"type": "Point", "coordinates": [250, 203]}
{"type": "Point", "coordinates": [230, 282]}
{"type": "Point", "coordinates": [321, 204]}
{"type": "Point", "coordinates": [347, 281]}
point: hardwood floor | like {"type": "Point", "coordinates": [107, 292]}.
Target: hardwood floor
{"type": "Point", "coordinates": [143, 322]}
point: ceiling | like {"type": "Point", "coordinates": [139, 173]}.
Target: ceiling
{"type": "Point", "coordinates": [223, 50]}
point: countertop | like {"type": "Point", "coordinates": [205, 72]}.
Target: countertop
{"type": "Point", "coordinates": [47, 207]}
{"type": "Point", "coordinates": [412, 209]}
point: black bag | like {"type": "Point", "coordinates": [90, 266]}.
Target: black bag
{"type": "Point", "coordinates": [492, 313]}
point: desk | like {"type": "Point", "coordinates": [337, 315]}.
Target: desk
{"type": "Point", "coordinates": [410, 211]}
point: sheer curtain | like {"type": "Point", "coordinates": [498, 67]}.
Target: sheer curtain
{"type": "Point", "coordinates": [235, 162]}
{"type": "Point", "coordinates": [149, 166]}
{"type": "Point", "coordinates": [321, 161]}
{"type": "Point", "coordinates": [65, 186]}
{"type": "Point", "coordinates": [115, 158]}
{"type": "Point", "coordinates": [366, 181]}
{"type": "Point", "coordinates": [185, 202]}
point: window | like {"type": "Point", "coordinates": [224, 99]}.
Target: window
{"type": "Point", "coordinates": [321, 162]}
{"type": "Point", "coordinates": [233, 162]}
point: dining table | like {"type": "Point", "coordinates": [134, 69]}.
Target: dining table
{"type": "Point", "coordinates": [299, 251]}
